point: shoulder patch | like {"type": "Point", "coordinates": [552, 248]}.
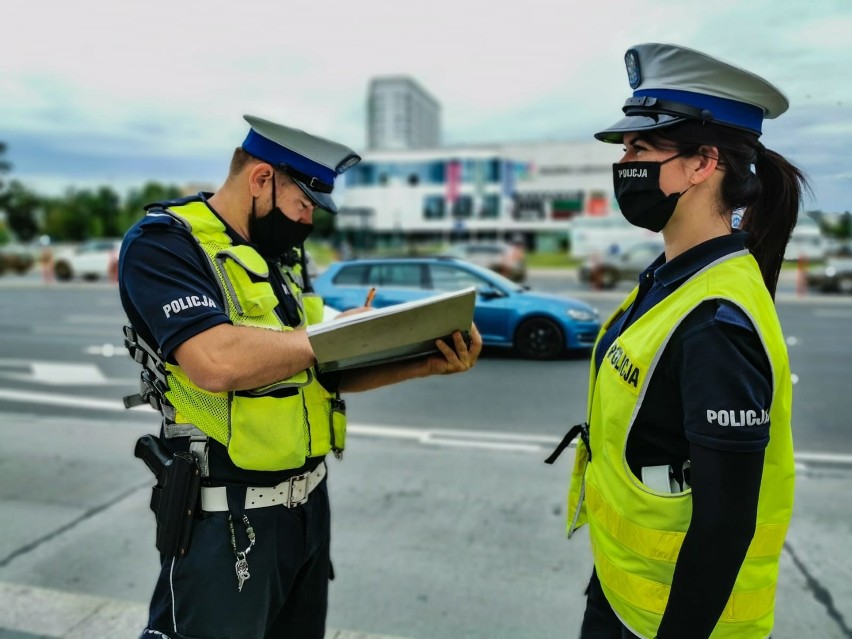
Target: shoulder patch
{"type": "Point", "coordinates": [734, 316]}
{"type": "Point", "coordinates": [157, 219]}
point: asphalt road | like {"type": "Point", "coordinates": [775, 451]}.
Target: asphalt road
{"type": "Point", "coordinates": [446, 523]}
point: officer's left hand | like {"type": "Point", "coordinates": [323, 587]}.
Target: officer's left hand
{"type": "Point", "coordinates": [459, 360]}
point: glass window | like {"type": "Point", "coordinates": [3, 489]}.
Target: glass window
{"type": "Point", "coordinates": [433, 207]}
{"type": "Point", "coordinates": [493, 170]}
{"type": "Point", "coordinates": [463, 207]}
{"type": "Point", "coordinates": [528, 207]}
{"type": "Point", "coordinates": [352, 275]}
{"type": "Point", "coordinates": [405, 275]}
{"type": "Point", "coordinates": [490, 206]}
{"type": "Point", "coordinates": [435, 172]}
{"type": "Point", "coordinates": [363, 174]}
{"type": "Point", "coordinates": [451, 278]}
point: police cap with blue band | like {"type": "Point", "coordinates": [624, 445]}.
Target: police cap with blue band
{"type": "Point", "coordinates": [313, 162]}
{"type": "Point", "coordinates": [672, 84]}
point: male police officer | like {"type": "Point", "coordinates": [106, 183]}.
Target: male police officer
{"type": "Point", "coordinates": [214, 288]}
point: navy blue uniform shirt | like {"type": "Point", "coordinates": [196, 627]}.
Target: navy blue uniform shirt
{"type": "Point", "coordinates": [714, 364]}
{"type": "Point", "coordinates": [168, 288]}
{"type": "Point", "coordinates": [170, 293]}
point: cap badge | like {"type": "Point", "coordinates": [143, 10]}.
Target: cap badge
{"type": "Point", "coordinates": [634, 73]}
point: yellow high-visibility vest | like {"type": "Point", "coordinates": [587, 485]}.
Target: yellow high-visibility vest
{"type": "Point", "coordinates": [278, 426]}
{"type": "Point", "coordinates": [636, 532]}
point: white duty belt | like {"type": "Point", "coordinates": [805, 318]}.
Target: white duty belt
{"type": "Point", "coordinates": [290, 493]}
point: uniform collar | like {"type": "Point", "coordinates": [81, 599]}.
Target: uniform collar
{"type": "Point", "coordinates": [236, 238]}
{"type": "Point", "coordinates": [676, 271]}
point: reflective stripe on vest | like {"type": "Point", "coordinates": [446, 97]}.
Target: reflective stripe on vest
{"type": "Point", "coordinates": [278, 426]}
{"type": "Point", "coordinates": [636, 533]}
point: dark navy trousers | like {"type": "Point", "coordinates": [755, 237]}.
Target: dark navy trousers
{"type": "Point", "coordinates": [286, 596]}
{"type": "Point", "coordinates": [599, 620]}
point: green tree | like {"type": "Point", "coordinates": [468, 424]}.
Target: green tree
{"type": "Point", "coordinates": [105, 212]}
{"type": "Point", "coordinates": [62, 221]}
{"type": "Point", "coordinates": [79, 215]}
{"type": "Point", "coordinates": [21, 205]}
{"type": "Point", "coordinates": [845, 226]}
{"type": "Point", "coordinates": [5, 167]}
{"type": "Point", "coordinates": [134, 203]}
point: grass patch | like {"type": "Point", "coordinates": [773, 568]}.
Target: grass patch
{"type": "Point", "coordinates": [552, 260]}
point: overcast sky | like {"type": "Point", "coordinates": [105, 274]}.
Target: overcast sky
{"type": "Point", "coordinates": [104, 92]}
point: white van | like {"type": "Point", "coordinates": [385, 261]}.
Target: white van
{"type": "Point", "coordinates": [604, 235]}
{"type": "Point", "coordinates": [807, 241]}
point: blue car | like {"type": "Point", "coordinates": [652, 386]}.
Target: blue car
{"type": "Point", "coordinates": [537, 326]}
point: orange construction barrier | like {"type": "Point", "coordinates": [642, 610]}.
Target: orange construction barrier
{"type": "Point", "coordinates": [802, 275]}
{"type": "Point", "coordinates": [113, 266]}
{"type": "Point", "coordinates": [46, 259]}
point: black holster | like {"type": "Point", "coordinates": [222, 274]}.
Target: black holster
{"type": "Point", "coordinates": [175, 498]}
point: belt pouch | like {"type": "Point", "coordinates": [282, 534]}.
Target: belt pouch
{"type": "Point", "coordinates": [177, 503]}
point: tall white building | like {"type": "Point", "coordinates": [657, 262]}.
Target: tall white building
{"type": "Point", "coordinates": [401, 115]}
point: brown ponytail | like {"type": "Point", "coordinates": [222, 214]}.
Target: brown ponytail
{"type": "Point", "coordinates": [770, 219]}
{"type": "Point", "coordinates": [770, 194]}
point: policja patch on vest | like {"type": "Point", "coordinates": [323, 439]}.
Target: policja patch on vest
{"type": "Point", "coordinates": [628, 370]}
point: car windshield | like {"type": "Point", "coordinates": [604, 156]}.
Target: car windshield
{"type": "Point", "coordinates": [495, 279]}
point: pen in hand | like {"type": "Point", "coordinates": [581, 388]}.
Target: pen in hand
{"type": "Point", "coordinates": [369, 301]}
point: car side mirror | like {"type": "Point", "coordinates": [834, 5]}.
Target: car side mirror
{"type": "Point", "coordinates": [489, 293]}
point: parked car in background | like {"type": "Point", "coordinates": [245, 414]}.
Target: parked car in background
{"type": "Point", "coordinates": [599, 235]}
{"type": "Point", "coordinates": [509, 260]}
{"type": "Point", "coordinates": [607, 270]}
{"type": "Point", "coordinates": [15, 258]}
{"type": "Point", "coordinates": [509, 315]}
{"type": "Point", "coordinates": [833, 276]}
{"type": "Point", "coordinates": [807, 241]}
{"type": "Point", "coordinates": [91, 260]}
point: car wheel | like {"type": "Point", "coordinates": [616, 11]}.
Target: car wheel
{"type": "Point", "coordinates": [608, 278]}
{"type": "Point", "coordinates": [539, 338]}
{"type": "Point", "coordinates": [844, 285]}
{"type": "Point", "coordinates": [62, 271]}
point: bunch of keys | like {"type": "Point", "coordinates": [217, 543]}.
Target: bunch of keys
{"type": "Point", "coordinates": [241, 567]}
{"type": "Point", "coordinates": [242, 570]}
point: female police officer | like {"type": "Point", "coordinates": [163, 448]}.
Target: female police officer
{"type": "Point", "coordinates": [685, 468]}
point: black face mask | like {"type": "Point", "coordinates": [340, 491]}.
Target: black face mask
{"type": "Point", "coordinates": [276, 234]}
{"type": "Point", "coordinates": [637, 190]}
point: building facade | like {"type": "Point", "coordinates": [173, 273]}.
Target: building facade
{"type": "Point", "coordinates": [526, 191]}
{"type": "Point", "coordinates": [401, 114]}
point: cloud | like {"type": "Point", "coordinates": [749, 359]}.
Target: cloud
{"type": "Point", "coordinates": [170, 79]}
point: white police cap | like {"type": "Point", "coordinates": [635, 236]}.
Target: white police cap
{"type": "Point", "coordinates": [313, 162]}
{"type": "Point", "coordinates": [672, 84]}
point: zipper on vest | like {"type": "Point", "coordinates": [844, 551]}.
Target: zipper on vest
{"type": "Point", "coordinates": [307, 423]}
{"type": "Point", "coordinates": [580, 501]}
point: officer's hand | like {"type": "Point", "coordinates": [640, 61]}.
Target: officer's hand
{"type": "Point", "coordinates": [459, 360]}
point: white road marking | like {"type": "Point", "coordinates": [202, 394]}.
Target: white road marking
{"type": "Point", "coordinates": [67, 615]}
{"type": "Point", "coordinates": [107, 350]}
{"type": "Point", "coordinates": [481, 439]}
{"type": "Point", "coordinates": [57, 373]}
{"type": "Point", "coordinates": [53, 399]}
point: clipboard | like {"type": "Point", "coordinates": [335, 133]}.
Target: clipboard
{"type": "Point", "coordinates": [393, 333]}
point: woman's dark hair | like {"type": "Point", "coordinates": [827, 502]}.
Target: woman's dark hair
{"type": "Point", "coordinates": [770, 194]}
